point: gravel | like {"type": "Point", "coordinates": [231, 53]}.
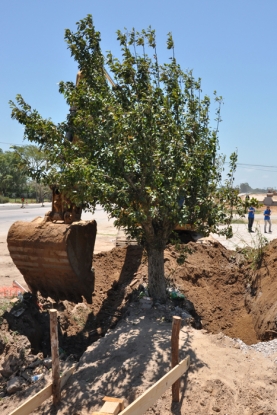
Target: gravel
{"type": "Point", "coordinates": [266, 348]}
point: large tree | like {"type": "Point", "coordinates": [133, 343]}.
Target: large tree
{"type": "Point", "coordinates": [32, 161]}
{"type": "Point", "coordinates": [143, 148]}
{"type": "Point", "coordinates": [12, 179]}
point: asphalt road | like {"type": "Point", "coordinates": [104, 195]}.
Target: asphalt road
{"type": "Point", "coordinates": [9, 213]}
{"type": "Point", "coordinates": [106, 233]}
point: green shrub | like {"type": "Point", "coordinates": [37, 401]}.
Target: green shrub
{"type": "Point", "coordinates": [254, 252]}
{"type": "Point", "coordinates": [4, 199]}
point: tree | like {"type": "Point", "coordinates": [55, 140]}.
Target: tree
{"type": "Point", "coordinates": [144, 149]}
{"type": "Point", "coordinates": [12, 180]}
{"type": "Point", "coordinates": [31, 159]}
{"type": "Point", "coordinates": [245, 188]}
{"type": "Point", "coordinates": [33, 162]}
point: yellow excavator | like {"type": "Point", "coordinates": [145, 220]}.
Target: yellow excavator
{"type": "Point", "coordinates": [54, 254]}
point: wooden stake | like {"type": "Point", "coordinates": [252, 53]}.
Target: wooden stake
{"type": "Point", "coordinates": [149, 397]}
{"type": "Point", "coordinates": [56, 388]}
{"type": "Point", "coordinates": [176, 325]}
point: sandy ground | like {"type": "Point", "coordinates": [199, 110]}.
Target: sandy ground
{"type": "Point", "coordinates": [223, 378]}
{"type": "Point", "coordinates": [242, 238]}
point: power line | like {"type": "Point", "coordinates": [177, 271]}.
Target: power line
{"type": "Point", "coordinates": [256, 165]}
{"type": "Point", "coordinates": [269, 171]}
{"type": "Point", "coordinates": [253, 165]}
{"type": "Point", "coordinates": [13, 144]}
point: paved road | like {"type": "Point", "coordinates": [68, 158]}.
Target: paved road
{"type": "Point", "coordinates": [105, 239]}
{"type": "Point", "coordinates": [243, 238]}
{"type": "Point", "coordinates": [106, 234]}
{"type": "Point", "coordinates": [9, 213]}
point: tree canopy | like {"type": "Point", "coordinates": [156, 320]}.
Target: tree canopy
{"type": "Point", "coordinates": [31, 160]}
{"type": "Point", "coordinates": [21, 171]}
{"type": "Point", "coordinates": [144, 148]}
{"type": "Point", "coordinates": [12, 180]}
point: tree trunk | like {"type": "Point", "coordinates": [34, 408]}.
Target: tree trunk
{"type": "Point", "coordinates": [156, 280]}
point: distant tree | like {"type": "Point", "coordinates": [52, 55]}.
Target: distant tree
{"type": "Point", "coordinates": [33, 162]}
{"type": "Point", "coordinates": [31, 159]}
{"type": "Point", "coordinates": [250, 201]}
{"type": "Point", "coordinates": [259, 190]}
{"type": "Point", "coordinates": [42, 191]}
{"type": "Point", "coordinates": [245, 188]}
{"type": "Point", "coordinates": [12, 179]}
{"type": "Point", "coordinates": [145, 150]}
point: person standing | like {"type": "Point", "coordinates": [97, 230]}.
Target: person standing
{"type": "Point", "coordinates": [267, 219]}
{"type": "Point", "coordinates": [251, 215]}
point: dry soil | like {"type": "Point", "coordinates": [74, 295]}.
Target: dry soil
{"type": "Point", "coordinates": [123, 348]}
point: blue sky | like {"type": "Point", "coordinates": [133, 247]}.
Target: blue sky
{"type": "Point", "coordinates": [231, 45]}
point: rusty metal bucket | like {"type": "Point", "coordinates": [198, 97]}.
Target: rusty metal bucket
{"type": "Point", "coordinates": [55, 259]}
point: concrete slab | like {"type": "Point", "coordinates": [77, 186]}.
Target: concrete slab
{"type": "Point", "coordinates": [242, 238]}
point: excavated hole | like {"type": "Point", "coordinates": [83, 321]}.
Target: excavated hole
{"type": "Point", "coordinates": [213, 280]}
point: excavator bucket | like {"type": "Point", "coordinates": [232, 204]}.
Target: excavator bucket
{"type": "Point", "coordinates": [55, 258]}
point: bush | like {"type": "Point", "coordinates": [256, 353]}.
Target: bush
{"type": "Point", "coordinates": [254, 252]}
{"type": "Point", "coordinates": [4, 199]}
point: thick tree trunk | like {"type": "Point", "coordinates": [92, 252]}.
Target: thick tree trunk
{"type": "Point", "coordinates": [156, 280]}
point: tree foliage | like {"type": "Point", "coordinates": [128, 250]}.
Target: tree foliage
{"type": "Point", "coordinates": [144, 149]}
{"type": "Point", "coordinates": [12, 180]}
{"type": "Point", "coordinates": [245, 188]}
{"type": "Point", "coordinates": [21, 172]}
{"type": "Point", "coordinates": [31, 160]}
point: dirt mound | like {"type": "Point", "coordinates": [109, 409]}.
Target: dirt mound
{"type": "Point", "coordinates": [222, 378]}
{"type": "Point", "coordinates": [261, 300]}
{"type": "Point", "coordinates": [211, 278]}
{"type": "Point", "coordinates": [26, 323]}
{"type": "Point", "coordinates": [214, 281]}
{"type": "Point", "coordinates": [79, 324]}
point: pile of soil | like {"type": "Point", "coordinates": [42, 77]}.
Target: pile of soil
{"type": "Point", "coordinates": [212, 278]}
{"type": "Point", "coordinates": [79, 324]}
{"type": "Point", "coordinates": [214, 281]}
{"type": "Point", "coordinates": [261, 299]}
